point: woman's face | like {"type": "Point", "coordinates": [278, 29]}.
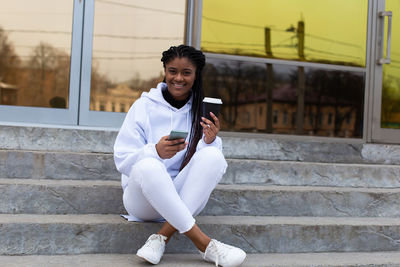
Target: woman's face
{"type": "Point", "coordinates": [180, 74]}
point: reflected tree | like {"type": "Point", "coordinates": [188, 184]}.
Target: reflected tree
{"type": "Point", "coordinates": [9, 60]}
{"type": "Point", "coordinates": [342, 90]}
{"type": "Point", "coordinates": [47, 74]}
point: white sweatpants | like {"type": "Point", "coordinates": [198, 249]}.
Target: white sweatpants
{"type": "Point", "coordinates": [151, 194]}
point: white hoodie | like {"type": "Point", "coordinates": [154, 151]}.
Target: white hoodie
{"type": "Point", "coordinates": [150, 118]}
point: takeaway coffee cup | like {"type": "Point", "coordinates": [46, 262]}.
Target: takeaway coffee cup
{"type": "Point", "coordinates": [211, 105]}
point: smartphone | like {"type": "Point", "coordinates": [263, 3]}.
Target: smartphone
{"type": "Point", "coordinates": [173, 135]}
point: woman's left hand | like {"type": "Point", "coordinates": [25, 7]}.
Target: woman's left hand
{"type": "Point", "coordinates": [210, 129]}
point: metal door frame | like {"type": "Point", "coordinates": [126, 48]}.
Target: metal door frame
{"type": "Point", "coordinates": [379, 27]}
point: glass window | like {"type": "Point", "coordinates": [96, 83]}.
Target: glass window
{"type": "Point", "coordinates": [285, 117]}
{"type": "Point", "coordinates": [294, 119]}
{"type": "Point", "coordinates": [311, 119]}
{"type": "Point", "coordinates": [276, 116]}
{"type": "Point", "coordinates": [330, 118]}
{"type": "Point", "coordinates": [35, 46]}
{"type": "Point", "coordinates": [329, 94]}
{"type": "Point", "coordinates": [129, 37]}
{"type": "Point", "coordinates": [306, 30]}
{"type": "Point", "coordinates": [122, 108]}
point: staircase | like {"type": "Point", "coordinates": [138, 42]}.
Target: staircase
{"type": "Point", "coordinates": [286, 202]}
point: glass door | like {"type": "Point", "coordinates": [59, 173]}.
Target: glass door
{"type": "Point", "coordinates": [386, 69]}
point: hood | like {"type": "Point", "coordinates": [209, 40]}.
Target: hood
{"type": "Point", "coordinates": [179, 119]}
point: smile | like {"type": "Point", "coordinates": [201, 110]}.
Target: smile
{"type": "Point", "coordinates": [178, 85]}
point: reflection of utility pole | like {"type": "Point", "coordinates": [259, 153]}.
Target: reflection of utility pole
{"type": "Point", "coordinates": [267, 35]}
{"type": "Point", "coordinates": [300, 38]}
{"type": "Point", "coordinates": [301, 85]}
{"type": "Point", "coordinates": [270, 80]}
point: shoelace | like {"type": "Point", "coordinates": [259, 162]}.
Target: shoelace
{"type": "Point", "coordinates": [158, 238]}
{"type": "Point", "coordinates": [219, 253]}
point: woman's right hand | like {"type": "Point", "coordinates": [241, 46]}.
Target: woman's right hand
{"type": "Point", "coordinates": [166, 149]}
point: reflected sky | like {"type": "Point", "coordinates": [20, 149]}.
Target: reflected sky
{"type": "Point", "coordinates": [26, 24]}
{"type": "Point", "coordinates": [129, 36]}
{"type": "Point", "coordinates": [334, 29]}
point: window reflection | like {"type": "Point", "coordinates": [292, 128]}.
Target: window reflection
{"type": "Point", "coordinates": [129, 36]}
{"type": "Point", "coordinates": [390, 112]}
{"type": "Point", "coordinates": [306, 30]}
{"type": "Point", "coordinates": [332, 105]}
{"type": "Point", "coordinates": [35, 38]}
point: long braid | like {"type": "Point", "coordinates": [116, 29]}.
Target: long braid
{"type": "Point", "coordinates": [198, 59]}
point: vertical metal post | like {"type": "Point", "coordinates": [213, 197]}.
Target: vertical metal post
{"type": "Point", "coordinates": [189, 23]}
{"type": "Point", "coordinates": [193, 23]}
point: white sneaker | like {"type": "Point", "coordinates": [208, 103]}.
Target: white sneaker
{"type": "Point", "coordinates": [153, 249]}
{"type": "Point", "coordinates": [223, 255]}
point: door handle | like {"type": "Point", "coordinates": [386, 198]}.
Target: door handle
{"type": "Point", "coordinates": [382, 15]}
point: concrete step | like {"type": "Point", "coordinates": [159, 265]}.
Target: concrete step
{"type": "Point", "coordinates": [47, 196]}
{"type": "Point", "coordinates": [32, 196]}
{"type": "Point", "coordinates": [303, 201]}
{"type": "Point", "coordinates": [57, 165]}
{"type": "Point", "coordinates": [311, 173]}
{"type": "Point", "coordinates": [377, 259]}
{"type": "Point", "coordinates": [253, 146]}
{"type": "Point", "coordinates": [86, 234]}
{"type": "Point", "coordinates": [100, 166]}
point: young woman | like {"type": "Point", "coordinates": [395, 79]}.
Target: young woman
{"type": "Point", "coordinates": [172, 180]}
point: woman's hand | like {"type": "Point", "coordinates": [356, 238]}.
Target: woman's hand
{"type": "Point", "coordinates": [210, 129]}
{"type": "Point", "coordinates": [166, 149]}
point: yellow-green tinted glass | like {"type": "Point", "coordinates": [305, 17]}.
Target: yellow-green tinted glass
{"type": "Point", "coordinates": [391, 72]}
{"type": "Point", "coordinates": [328, 31]}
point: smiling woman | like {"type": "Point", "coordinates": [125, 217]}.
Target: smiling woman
{"type": "Point", "coordinates": [170, 180]}
{"type": "Point", "coordinates": [180, 74]}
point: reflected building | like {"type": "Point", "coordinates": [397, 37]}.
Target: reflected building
{"type": "Point", "coordinates": [323, 119]}
{"type": "Point", "coordinates": [115, 99]}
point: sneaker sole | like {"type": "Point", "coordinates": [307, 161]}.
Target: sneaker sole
{"type": "Point", "coordinates": [144, 258]}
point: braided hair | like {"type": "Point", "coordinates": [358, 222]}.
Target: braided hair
{"type": "Point", "coordinates": [197, 58]}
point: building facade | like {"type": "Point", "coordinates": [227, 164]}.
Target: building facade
{"type": "Point", "coordinates": [292, 67]}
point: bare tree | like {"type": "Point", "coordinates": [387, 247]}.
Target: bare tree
{"type": "Point", "coordinates": [9, 60]}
